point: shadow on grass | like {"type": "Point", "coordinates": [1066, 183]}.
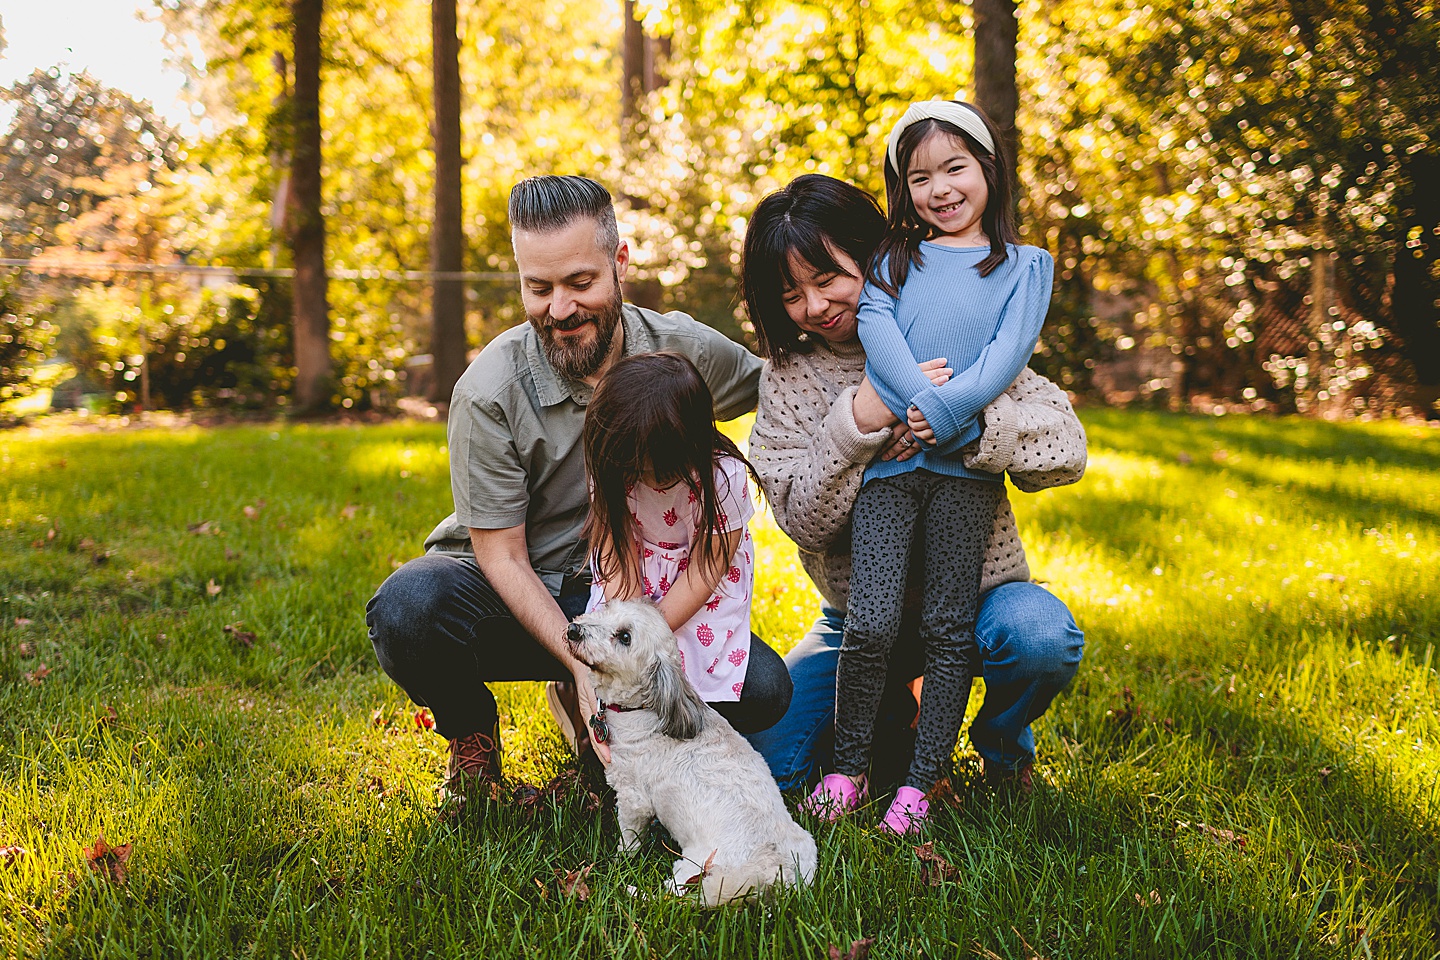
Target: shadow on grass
{"type": "Point", "coordinates": [1257, 835]}
{"type": "Point", "coordinates": [1166, 435]}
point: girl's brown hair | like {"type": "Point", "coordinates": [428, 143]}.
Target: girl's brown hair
{"type": "Point", "coordinates": [651, 414]}
{"type": "Point", "coordinates": [900, 250]}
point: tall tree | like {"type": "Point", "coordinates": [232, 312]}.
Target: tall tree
{"type": "Point", "coordinates": [639, 77]}
{"type": "Point", "coordinates": [994, 90]}
{"type": "Point", "coordinates": [447, 237]}
{"type": "Point", "coordinates": [304, 220]}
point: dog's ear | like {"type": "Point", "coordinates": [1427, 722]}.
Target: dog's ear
{"type": "Point", "coordinates": [682, 712]}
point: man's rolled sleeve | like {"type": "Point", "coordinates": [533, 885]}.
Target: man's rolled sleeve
{"type": "Point", "coordinates": [486, 477]}
{"type": "Point", "coordinates": [731, 371]}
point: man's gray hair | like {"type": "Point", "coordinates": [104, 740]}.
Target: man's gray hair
{"type": "Point", "coordinates": [546, 204]}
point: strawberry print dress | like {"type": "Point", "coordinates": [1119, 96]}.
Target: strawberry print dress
{"type": "Point", "coordinates": [715, 643]}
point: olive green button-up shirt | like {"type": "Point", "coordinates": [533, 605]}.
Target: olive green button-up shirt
{"type": "Point", "coordinates": [514, 434]}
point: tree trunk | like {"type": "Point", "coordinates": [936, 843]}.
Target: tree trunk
{"type": "Point", "coordinates": [447, 239]}
{"type": "Point", "coordinates": [305, 224]}
{"type": "Point", "coordinates": [638, 76]}
{"type": "Point", "coordinates": [279, 161]}
{"type": "Point", "coordinates": [1415, 301]}
{"type": "Point", "coordinates": [994, 90]}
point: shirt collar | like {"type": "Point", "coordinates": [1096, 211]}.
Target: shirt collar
{"type": "Point", "coordinates": [552, 388]}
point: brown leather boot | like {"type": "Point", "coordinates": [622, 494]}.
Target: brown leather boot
{"type": "Point", "coordinates": [474, 765]}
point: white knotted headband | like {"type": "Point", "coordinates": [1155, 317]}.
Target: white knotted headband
{"type": "Point", "coordinates": [962, 115]}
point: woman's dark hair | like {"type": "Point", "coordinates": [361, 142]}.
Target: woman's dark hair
{"type": "Point", "coordinates": [900, 250]}
{"type": "Point", "coordinates": [810, 219]}
{"type": "Point", "coordinates": [651, 413]}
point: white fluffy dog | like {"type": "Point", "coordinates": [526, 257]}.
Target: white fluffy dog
{"type": "Point", "coordinates": [675, 758]}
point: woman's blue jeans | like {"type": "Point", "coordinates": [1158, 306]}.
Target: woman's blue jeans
{"type": "Point", "coordinates": [1030, 647]}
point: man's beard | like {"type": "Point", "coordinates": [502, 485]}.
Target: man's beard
{"type": "Point", "coordinates": [573, 358]}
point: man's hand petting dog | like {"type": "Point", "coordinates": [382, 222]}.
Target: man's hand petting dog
{"type": "Point", "coordinates": [590, 707]}
{"type": "Point", "coordinates": [675, 758]}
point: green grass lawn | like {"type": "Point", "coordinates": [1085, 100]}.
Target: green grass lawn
{"type": "Point", "coordinates": [1246, 765]}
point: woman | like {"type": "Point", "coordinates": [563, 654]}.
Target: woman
{"type": "Point", "coordinates": [819, 424]}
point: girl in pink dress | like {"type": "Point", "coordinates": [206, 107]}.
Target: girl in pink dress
{"type": "Point", "coordinates": [671, 490]}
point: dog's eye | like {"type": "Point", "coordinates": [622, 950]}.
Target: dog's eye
{"type": "Point", "coordinates": [622, 637]}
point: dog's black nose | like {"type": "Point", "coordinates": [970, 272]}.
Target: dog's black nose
{"type": "Point", "coordinates": [574, 634]}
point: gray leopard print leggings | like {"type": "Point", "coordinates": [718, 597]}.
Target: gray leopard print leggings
{"type": "Point", "coordinates": [951, 518]}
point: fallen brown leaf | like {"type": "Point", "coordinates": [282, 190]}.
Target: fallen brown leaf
{"type": "Point", "coordinates": [378, 718]}
{"type": "Point", "coordinates": [212, 588]}
{"type": "Point", "coordinates": [944, 793]}
{"type": "Point", "coordinates": [526, 796]}
{"type": "Point", "coordinates": [36, 676]}
{"type": "Point", "coordinates": [1223, 836]}
{"type": "Point", "coordinates": [569, 783]}
{"type": "Point", "coordinates": [23, 621]}
{"type": "Point", "coordinates": [347, 512]}
{"type": "Point", "coordinates": [934, 869]}
{"type": "Point", "coordinates": [87, 544]}
{"type": "Point", "coordinates": [859, 950]}
{"type": "Point", "coordinates": [245, 638]}
{"type": "Point", "coordinates": [252, 512]}
{"type": "Point", "coordinates": [424, 720]}
{"type": "Point", "coordinates": [108, 861]}
{"type": "Point", "coordinates": [12, 854]}
{"type": "Point", "coordinates": [109, 716]}
{"type": "Point", "coordinates": [573, 884]}
{"type": "Point", "coordinates": [1219, 835]}
{"type": "Point", "coordinates": [696, 880]}
{"type": "Point", "coordinates": [205, 528]}
{"type": "Point", "coordinates": [1149, 900]}
{"type": "Point", "coordinates": [27, 649]}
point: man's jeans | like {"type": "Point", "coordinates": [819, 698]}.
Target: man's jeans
{"type": "Point", "coordinates": [1029, 647]}
{"type": "Point", "coordinates": [441, 632]}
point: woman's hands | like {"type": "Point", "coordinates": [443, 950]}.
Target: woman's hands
{"type": "Point", "coordinates": [903, 444]}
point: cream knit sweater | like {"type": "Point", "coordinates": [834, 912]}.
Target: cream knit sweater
{"type": "Point", "coordinates": [811, 458]}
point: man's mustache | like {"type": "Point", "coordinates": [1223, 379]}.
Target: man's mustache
{"type": "Point", "coordinates": [572, 322]}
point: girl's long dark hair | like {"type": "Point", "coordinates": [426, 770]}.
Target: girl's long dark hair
{"type": "Point", "coordinates": [900, 250]}
{"type": "Point", "coordinates": [810, 219]}
{"type": "Point", "coordinates": [652, 413]}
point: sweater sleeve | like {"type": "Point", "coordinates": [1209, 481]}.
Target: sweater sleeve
{"type": "Point", "coordinates": [893, 369]}
{"type": "Point", "coordinates": [810, 457]}
{"type": "Point", "coordinates": [1031, 431]}
{"type": "Point", "coordinates": [951, 408]}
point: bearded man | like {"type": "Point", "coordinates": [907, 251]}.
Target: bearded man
{"type": "Point", "coordinates": [502, 576]}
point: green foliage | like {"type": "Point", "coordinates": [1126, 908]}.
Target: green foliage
{"type": "Point", "coordinates": [1243, 199]}
{"type": "Point", "coordinates": [1261, 617]}
{"type": "Point", "coordinates": [1245, 181]}
{"type": "Point", "coordinates": [25, 343]}
{"type": "Point", "coordinates": [67, 139]}
{"type": "Point", "coordinates": [539, 94]}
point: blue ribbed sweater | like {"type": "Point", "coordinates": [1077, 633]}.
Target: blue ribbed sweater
{"type": "Point", "coordinates": [986, 327]}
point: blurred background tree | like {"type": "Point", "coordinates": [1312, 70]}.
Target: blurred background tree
{"type": "Point", "coordinates": [1242, 197]}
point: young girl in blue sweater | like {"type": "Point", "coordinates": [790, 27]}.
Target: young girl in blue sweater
{"type": "Point", "coordinates": [950, 281]}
